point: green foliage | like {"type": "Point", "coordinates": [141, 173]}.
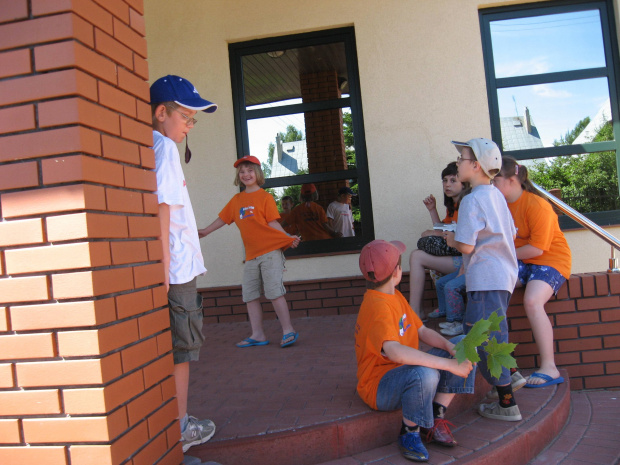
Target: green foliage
{"type": "Point", "coordinates": [570, 136]}
{"type": "Point", "coordinates": [589, 182]}
{"type": "Point", "coordinates": [498, 353]}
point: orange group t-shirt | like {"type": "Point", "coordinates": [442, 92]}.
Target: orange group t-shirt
{"type": "Point", "coordinates": [309, 220]}
{"type": "Point", "coordinates": [537, 225]}
{"type": "Point", "coordinates": [382, 317]}
{"type": "Point", "coordinates": [451, 218]}
{"type": "Point", "coordinates": [251, 213]}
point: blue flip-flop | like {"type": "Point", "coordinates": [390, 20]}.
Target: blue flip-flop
{"type": "Point", "coordinates": [549, 381]}
{"type": "Point", "coordinates": [251, 343]}
{"type": "Point", "coordinates": [289, 343]}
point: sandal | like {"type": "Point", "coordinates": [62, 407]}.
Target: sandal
{"type": "Point", "coordinates": [289, 339]}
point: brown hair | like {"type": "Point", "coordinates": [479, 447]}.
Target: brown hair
{"type": "Point", "coordinates": [371, 274]}
{"type": "Point", "coordinates": [170, 107]}
{"type": "Point", "coordinates": [511, 167]}
{"type": "Point", "coordinates": [260, 176]}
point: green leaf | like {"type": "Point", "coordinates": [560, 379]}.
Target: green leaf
{"type": "Point", "coordinates": [498, 356]}
{"type": "Point", "coordinates": [495, 320]}
{"type": "Point", "coordinates": [466, 348]}
{"type": "Point", "coordinates": [465, 351]}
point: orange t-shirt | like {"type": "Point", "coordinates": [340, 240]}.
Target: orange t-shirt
{"type": "Point", "coordinates": [286, 217]}
{"type": "Point", "coordinates": [537, 225]}
{"type": "Point", "coordinates": [309, 221]}
{"type": "Point", "coordinates": [382, 317]}
{"type": "Point", "coordinates": [252, 213]}
{"type": "Point", "coordinates": [451, 219]}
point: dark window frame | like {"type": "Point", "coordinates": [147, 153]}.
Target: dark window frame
{"type": "Point", "coordinates": [345, 35]}
{"type": "Point", "coordinates": [611, 72]}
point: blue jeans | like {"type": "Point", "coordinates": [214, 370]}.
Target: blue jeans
{"type": "Point", "coordinates": [450, 289]}
{"type": "Point", "coordinates": [480, 304]}
{"type": "Point", "coordinates": [413, 388]}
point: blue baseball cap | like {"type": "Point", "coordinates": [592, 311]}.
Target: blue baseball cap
{"type": "Point", "coordinates": [180, 91]}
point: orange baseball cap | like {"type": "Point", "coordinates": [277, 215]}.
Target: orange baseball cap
{"type": "Point", "coordinates": [381, 258]}
{"type": "Point", "coordinates": [247, 159]}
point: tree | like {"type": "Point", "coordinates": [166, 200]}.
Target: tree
{"type": "Point", "coordinates": [589, 182]}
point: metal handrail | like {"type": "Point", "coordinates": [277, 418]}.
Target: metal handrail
{"type": "Point", "coordinates": [586, 223]}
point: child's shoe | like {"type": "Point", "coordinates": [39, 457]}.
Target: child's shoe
{"type": "Point", "coordinates": [455, 329]}
{"type": "Point", "coordinates": [494, 411]}
{"type": "Point", "coordinates": [439, 433]}
{"type": "Point", "coordinates": [517, 381]}
{"type": "Point", "coordinates": [411, 447]}
{"type": "Point", "coordinates": [197, 432]}
{"type": "Point", "coordinates": [436, 314]}
{"type": "Point", "coordinates": [445, 324]}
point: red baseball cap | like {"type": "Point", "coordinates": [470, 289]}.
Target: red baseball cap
{"type": "Point", "coordinates": [380, 257]}
{"type": "Point", "coordinates": [247, 159]}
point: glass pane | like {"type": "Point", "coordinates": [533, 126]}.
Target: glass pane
{"type": "Point", "coordinates": [562, 113]}
{"type": "Point", "coordinates": [312, 142]}
{"type": "Point", "coordinates": [311, 74]}
{"type": "Point", "coordinates": [546, 44]}
{"type": "Point", "coordinates": [340, 211]}
{"type": "Point", "coordinates": [588, 183]}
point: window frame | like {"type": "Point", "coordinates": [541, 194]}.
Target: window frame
{"type": "Point", "coordinates": [242, 115]}
{"type": "Point", "coordinates": [610, 72]}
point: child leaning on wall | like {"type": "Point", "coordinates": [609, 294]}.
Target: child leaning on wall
{"type": "Point", "coordinates": [174, 103]}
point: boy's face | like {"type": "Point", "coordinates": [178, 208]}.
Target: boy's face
{"type": "Point", "coordinates": [465, 163]}
{"type": "Point", "coordinates": [175, 123]}
{"type": "Point", "coordinates": [287, 205]}
{"type": "Point", "coordinates": [345, 198]}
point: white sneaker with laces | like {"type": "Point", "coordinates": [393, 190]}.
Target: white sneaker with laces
{"type": "Point", "coordinates": [455, 329]}
{"type": "Point", "coordinates": [197, 432]}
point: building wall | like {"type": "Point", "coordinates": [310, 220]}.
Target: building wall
{"type": "Point", "coordinates": [85, 345]}
{"type": "Point", "coordinates": [422, 82]}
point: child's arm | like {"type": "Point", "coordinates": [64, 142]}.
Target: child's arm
{"type": "Point", "coordinates": [164, 221]}
{"type": "Point", "coordinates": [331, 231]}
{"type": "Point", "coordinates": [276, 225]}
{"type": "Point", "coordinates": [528, 251]}
{"type": "Point", "coordinates": [217, 224]}
{"type": "Point", "coordinates": [431, 204]}
{"type": "Point", "coordinates": [460, 246]}
{"type": "Point", "coordinates": [405, 355]}
{"type": "Point", "coordinates": [434, 339]}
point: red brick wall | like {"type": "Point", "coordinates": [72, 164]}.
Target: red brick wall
{"type": "Point", "coordinates": [585, 315]}
{"type": "Point", "coordinates": [85, 361]}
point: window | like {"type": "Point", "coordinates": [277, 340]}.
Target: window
{"type": "Point", "coordinates": [551, 72]}
{"type": "Point", "coordinates": [297, 106]}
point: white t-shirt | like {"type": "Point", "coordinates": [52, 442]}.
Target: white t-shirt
{"type": "Point", "coordinates": [343, 218]}
{"type": "Point", "coordinates": [186, 261]}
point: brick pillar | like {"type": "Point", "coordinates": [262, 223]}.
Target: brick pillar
{"type": "Point", "coordinates": [85, 346]}
{"type": "Point", "coordinates": [324, 137]}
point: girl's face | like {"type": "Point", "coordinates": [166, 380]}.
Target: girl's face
{"type": "Point", "coordinates": [247, 175]}
{"type": "Point", "coordinates": [452, 187]}
{"type": "Point", "coordinates": [508, 186]}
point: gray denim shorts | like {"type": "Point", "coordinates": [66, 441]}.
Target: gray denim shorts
{"type": "Point", "coordinates": [266, 271]}
{"type": "Point", "coordinates": [185, 306]}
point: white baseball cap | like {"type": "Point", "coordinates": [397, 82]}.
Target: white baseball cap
{"type": "Point", "coordinates": [487, 153]}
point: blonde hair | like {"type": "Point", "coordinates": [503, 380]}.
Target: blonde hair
{"type": "Point", "coordinates": [260, 176]}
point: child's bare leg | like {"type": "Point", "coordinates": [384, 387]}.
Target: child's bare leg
{"type": "Point", "coordinates": [181, 381]}
{"type": "Point", "coordinates": [444, 398]}
{"type": "Point", "coordinates": [418, 262]}
{"type": "Point", "coordinates": [537, 293]}
{"type": "Point", "coordinates": [255, 313]}
{"type": "Point", "coordinates": [281, 308]}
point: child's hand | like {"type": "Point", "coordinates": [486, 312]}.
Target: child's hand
{"type": "Point", "coordinates": [449, 236]}
{"type": "Point", "coordinates": [461, 369]}
{"type": "Point", "coordinates": [430, 202]}
{"type": "Point", "coordinates": [202, 233]}
{"type": "Point", "coordinates": [296, 241]}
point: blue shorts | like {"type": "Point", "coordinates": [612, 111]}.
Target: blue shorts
{"type": "Point", "coordinates": [412, 388]}
{"type": "Point", "coordinates": [530, 272]}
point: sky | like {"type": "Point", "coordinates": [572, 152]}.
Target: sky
{"type": "Point", "coordinates": [546, 44]}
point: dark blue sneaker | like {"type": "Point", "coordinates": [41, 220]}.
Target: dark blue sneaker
{"type": "Point", "coordinates": [412, 448]}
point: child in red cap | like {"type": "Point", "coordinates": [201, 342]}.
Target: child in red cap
{"type": "Point", "coordinates": [309, 217]}
{"type": "Point", "coordinates": [392, 372]}
{"type": "Point", "coordinates": [255, 213]}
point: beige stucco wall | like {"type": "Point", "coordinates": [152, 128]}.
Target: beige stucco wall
{"type": "Point", "coordinates": [422, 82]}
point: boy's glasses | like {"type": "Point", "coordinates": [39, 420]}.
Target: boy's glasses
{"type": "Point", "coordinates": [189, 121]}
{"type": "Point", "coordinates": [460, 159]}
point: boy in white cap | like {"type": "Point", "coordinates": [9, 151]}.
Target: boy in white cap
{"type": "Point", "coordinates": [485, 236]}
{"type": "Point", "coordinates": [174, 103]}
{"type": "Point", "coordinates": [392, 372]}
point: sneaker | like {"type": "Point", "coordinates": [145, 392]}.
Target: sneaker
{"type": "Point", "coordinates": [454, 330]}
{"type": "Point", "coordinates": [439, 433]}
{"type": "Point", "coordinates": [494, 411]}
{"type": "Point", "coordinates": [436, 314]}
{"type": "Point", "coordinates": [411, 447]}
{"type": "Point", "coordinates": [197, 432]}
{"type": "Point", "coordinates": [445, 324]}
{"type": "Point", "coordinates": [517, 381]}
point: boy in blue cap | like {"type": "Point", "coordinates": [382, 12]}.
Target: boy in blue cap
{"type": "Point", "coordinates": [174, 103]}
